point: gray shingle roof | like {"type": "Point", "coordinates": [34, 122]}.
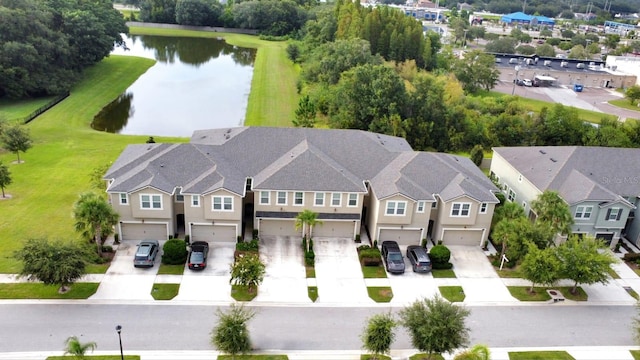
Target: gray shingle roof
{"type": "Point", "coordinates": [578, 172]}
{"type": "Point", "coordinates": [297, 159]}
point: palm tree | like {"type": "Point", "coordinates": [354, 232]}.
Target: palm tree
{"type": "Point", "coordinates": [306, 220]}
{"type": "Point", "coordinates": [77, 349]}
{"type": "Point", "coordinates": [93, 215]}
{"type": "Point", "coordinates": [553, 211]}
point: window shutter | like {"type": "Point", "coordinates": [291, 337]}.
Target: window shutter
{"type": "Point", "coordinates": [619, 214]}
{"type": "Point", "coordinates": [608, 214]}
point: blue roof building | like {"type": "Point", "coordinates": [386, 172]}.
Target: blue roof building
{"type": "Point", "coordinates": [522, 18]}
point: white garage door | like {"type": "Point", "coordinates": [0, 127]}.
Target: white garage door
{"type": "Point", "coordinates": [462, 237]}
{"type": "Point", "coordinates": [217, 233]}
{"type": "Point", "coordinates": [403, 237]}
{"type": "Point", "coordinates": [338, 229]}
{"type": "Point", "coordinates": [278, 228]}
{"type": "Point", "coordinates": [144, 232]}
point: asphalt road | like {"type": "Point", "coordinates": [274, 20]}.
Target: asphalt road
{"type": "Point", "coordinates": [42, 327]}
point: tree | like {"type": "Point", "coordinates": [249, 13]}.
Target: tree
{"type": "Point", "coordinates": [578, 52]}
{"type": "Point", "coordinates": [197, 12]}
{"type": "Point", "coordinates": [477, 352]}
{"type": "Point", "coordinates": [231, 335]}
{"type": "Point", "coordinates": [585, 261]}
{"type": "Point", "coordinates": [378, 335]}
{"type": "Point", "coordinates": [52, 263]}
{"type": "Point", "coordinates": [503, 45]}
{"type": "Point", "coordinates": [477, 155]}
{"type": "Point", "coordinates": [15, 139]}
{"type": "Point", "coordinates": [611, 40]}
{"type": "Point", "coordinates": [305, 113]}
{"type": "Point", "coordinates": [526, 50]}
{"type": "Point", "coordinates": [477, 70]}
{"type": "Point", "coordinates": [512, 235]}
{"type": "Point", "coordinates": [93, 217]}
{"type": "Point", "coordinates": [5, 177]}
{"type": "Point", "coordinates": [553, 212]}
{"type": "Point", "coordinates": [545, 50]}
{"type": "Point", "coordinates": [540, 266]}
{"type": "Point", "coordinates": [247, 271]}
{"type": "Point", "coordinates": [305, 221]}
{"type": "Point", "coordinates": [632, 93]}
{"type": "Point", "coordinates": [96, 177]}
{"type": "Point", "coordinates": [435, 325]}
{"type": "Point", "coordinates": [77, 349]}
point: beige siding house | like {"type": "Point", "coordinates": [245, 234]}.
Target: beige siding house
{"type": "Point", "coordinates": [226, 181]}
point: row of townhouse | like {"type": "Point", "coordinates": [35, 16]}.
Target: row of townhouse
{"type": "Point", "coordinates": [226, 181]}
{"type": "Point", "coordinates": [600, 185]}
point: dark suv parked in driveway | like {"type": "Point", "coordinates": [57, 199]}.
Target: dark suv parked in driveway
{"type": "Point", "coordinates": [419, 258]}
{"type": "Point", "coordinates": [392, 257]}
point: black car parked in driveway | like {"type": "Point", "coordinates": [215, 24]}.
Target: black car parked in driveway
{"type": "Point", "coordinates": [198, 255]}
{"type": "Point", "coordinates": [419, 258]}
{"type": "Point", "coordinates": [393, 257]}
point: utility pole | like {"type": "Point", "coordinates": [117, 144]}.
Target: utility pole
{"type": "Point", "coordinates": [524, 6]}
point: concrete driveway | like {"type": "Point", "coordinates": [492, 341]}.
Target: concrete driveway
{"type": "Point", "coordinates": [285, 279]}
{"type": "Point", "coordinates": [212, 283]}
{"type": "Point", "coordinates": [338, 274]}
{"type": "Point", "coordinates": [122, 281]}
{"type": "Point", "coordinates": [476, 275]}
{"type": "Point", "coordinates": [411, 286]}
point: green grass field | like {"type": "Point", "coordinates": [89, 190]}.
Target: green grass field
{"type": "Point", "coordinates": [41, 291]}
{"type": "Point", "coordinates": [56, 170]}
{"type": "Point", "coordinates": [625, 104]}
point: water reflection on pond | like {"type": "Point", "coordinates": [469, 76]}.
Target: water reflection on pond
{"type": "Point", "coordinates": [196, 83]}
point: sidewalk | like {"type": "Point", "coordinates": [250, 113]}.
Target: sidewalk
{"type": "Point", "coordinates": [578, 352]}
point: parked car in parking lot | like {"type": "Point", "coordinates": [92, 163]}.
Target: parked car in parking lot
{"type": "Point", "coordinates": [146, 253]}
{"type": "Point", "coordinates": [392, 257]}
{"type": "Point", "coordinates": [419, 258]}
{"type": "Point", "coordinates": [198, 255]}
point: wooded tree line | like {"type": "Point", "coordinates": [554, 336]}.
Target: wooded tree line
{"type": "Point", "coordinates": [45, 44]}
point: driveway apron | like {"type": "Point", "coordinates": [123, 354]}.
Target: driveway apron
{"type": "Point", "coordinates": [285, 279]}
{"type": "Point", "coordinates": [476, 275]}
{"type": "Point", "coordinates": [411, 286]}
{"type": "Point", "coordinates": [338, 274]}
{"type": "Point", "coordinates": [212, 283]}
{"type": "Point", "coordinates": [122, 281]}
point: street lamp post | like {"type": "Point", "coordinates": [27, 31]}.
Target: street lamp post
{"type": "Point", "coordinates": [513, 90]}
{"type": "Point", "coordinates": [119, 330]}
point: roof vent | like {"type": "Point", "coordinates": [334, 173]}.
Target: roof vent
{"type": "Point", "coordinates": [554, 160]}
{"type": "Point", "coordinates": [227, 136]}
{"type": "Point", "coordinates": [542, 152]}
{"type": "Point", "coordinates": [228, 131]}
{"type": "Point", "coordinates": [161, 165]}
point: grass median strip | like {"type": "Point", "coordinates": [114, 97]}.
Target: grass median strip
{"type": "Point", "coordinates": [540, 355]}
{"type": "Point", "coordinates": [380, 294]}
{"type": "Point", "coordinates": [313, 293]}
{"type": "Point", "coordinates": [42, 291]}
{"type": "Point", "coordinates": [241, 293]}
{"type": "Point", "coordinates": [443, 274]}
{"type": "Point", "coordinates": [171, 269]}
{"type": "Point", "coordinates": [373, 272]}
{"type": "Point", "coordinates": [97, 357]}
{"type": "Point", "coordinates": [452, 293]}
{"type": "Point", "coordinates": [540, 293]}
{"type": "Point", "coordinates": [165, 291]}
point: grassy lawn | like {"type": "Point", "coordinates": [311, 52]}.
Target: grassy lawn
{"type": "Point", "coordinates": [171, 269]}
{"type": "Point", "coordinates": [97, 357]}
{"type": "Point", "coordinates": [41, 291]}
{"type": "Point", "coordinates": [625, 104]}
{"type": "Point", "coordinates": [381, 294]}
{"type": "Point", "coordinates": [66, 150]}
{"type": "Point", "coordinates": [313, 293]}
{"type": "Point", "coordinates": [165, 291]}
{"type": "Point", "coordinates": [635, 354]}
{"type": "Point", "coordinates": [443, 274]}
{"type": "Point", "coordinates": [97, 268]}
{"type": "Point", "coordinates": [522, 293]}
{"type": "Point", "coordinates": [509, 272]}
{"type": "Point", "coordinates": [374, 357]}
{"type": "Point", "coordinates": [373, 272]}
{"type": "Point", "coordinates": [253, 357]}
{"type": "Point", "coordinates": [579, 296]}
{"type": "Point", "coordinates": [241, 293]}
{"type": "Point", "coordinates": [540, 355]}
{"type": "Point", "coordinates": [452, 293]}
{"type": "Point", "coordinates": [17, 110]}
{"type": "Point", "coordinates": [310, 271]}
{"type": "Point", "coordinates": [613, 273]}
{"type": "Point", "coordinates": [425, 357]}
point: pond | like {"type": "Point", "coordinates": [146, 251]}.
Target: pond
{"type": "Point", "coordinates": [196, 84]}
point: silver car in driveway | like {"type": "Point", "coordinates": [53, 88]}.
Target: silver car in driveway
{"type": "Point", "coordinates": [393, 257]}
{"type": "Point", "coordinates": [146, 253]}
{"type": "Point", "coordinates": [419, 259]}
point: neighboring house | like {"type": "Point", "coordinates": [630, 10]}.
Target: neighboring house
{"type": "Point", "coordinates": [600, 185]}
{"type": "Point", "coordinates": [257, 177]}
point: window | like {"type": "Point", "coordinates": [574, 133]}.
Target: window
{"type": "Point", "coordinates": [613, 214]}
{"type": "Point", "coordinates": [512, 195]}
{"type": "Point", "coordinates": [179, 198]}
{"type": "Point", "coordinates": [434, 205]}
{"type": "Point", "coordinates": [420, 207]}
{"type": "Point", "coordinates": [460, 209]}
{"type": "Point", "coordinates": [298, 199]}
{"type": "Point", "coordinates": [583, 212]}
{"type": "Point", "coordinates": [282, 198]}
{"type": "Point", "coordinates": [151, 201]}
{"type": "Point", "coordinates": [264, 198]}
{"type": "Point", "coordinates": [319, 201]}
{"type": "Point", "coordinates": [195, 200]}
{"type": "Point", "coordinates": [222, 203]}
{"type": "Point", "coordinates": [353, 200]}
{"type": "Point", "coordinates": [124, 199]}
{"type": "Point", "coordinates": [483, 208]}
{"type": "Point", "coordinates": [396, 208]}
{"type": "Point", "coordinates": [336, 199]}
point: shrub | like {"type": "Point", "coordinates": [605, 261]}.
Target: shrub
{"type": "Point", "coordinates": [310, 244]}
{"type": "Point", "coordinates": [631, 257]}
{"type": "Point", "coordinates": [440, 254]}
{"type": "Point", "coordinates": [116, 238]}
{"type": "Point", "coordinates": [358, 238]}
{"type": "Point", "coordinates": [254, 234]}
{"type": "Point", "coordinates": [369, 253]}
{"type": "Point", "coordinates": [424, 243]}
{"type": "Point", "coordinates": [375, 243]}
{"type": "Point", "coordinates": [187, 238]}
{"type": "Point", "coordinates": [252, 245]}
{"type": "Point", "coordinates": [107, 248]}
{"type": "Point", "coordinates": [309, 258]}
{"type": "Point", "coordinates": [239, 239]}
{"type": "Point", "coordinates": [304, 243]}
{"type": "Point", "coordinates": [440, 266]}
{"type": "Point", "coordinates": [174, 252]}
{"type": "Point", "coordinates": [363, 247]}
